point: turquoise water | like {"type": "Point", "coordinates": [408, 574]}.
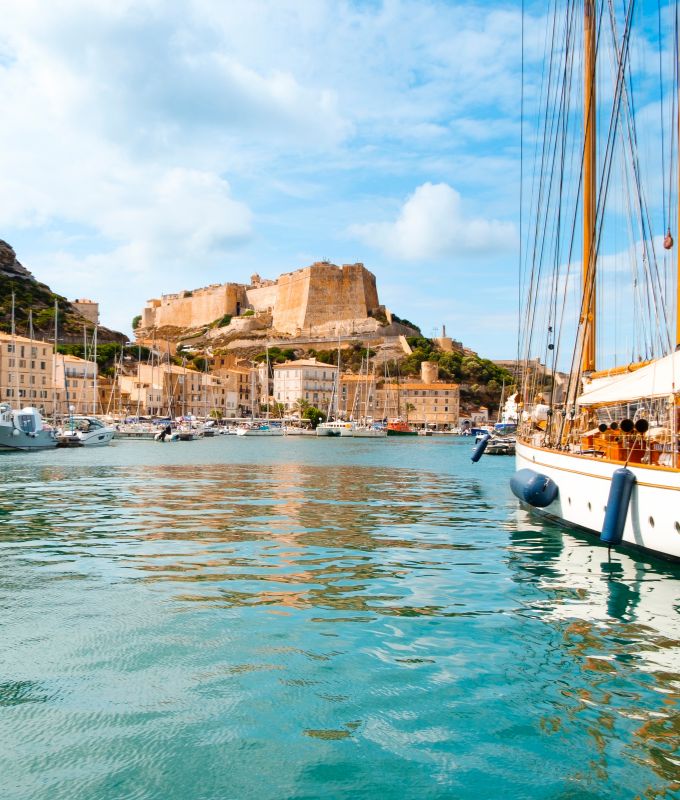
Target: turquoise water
{"type": "Point", "coordinates": [303, 618]}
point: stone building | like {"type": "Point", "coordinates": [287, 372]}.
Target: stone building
{"type": "Point", "coordinates": [88, 308]}
{"type": "Point", "coordinates": [310, 298]}
{"type": "Point", "coordinates": [170, 390]}
{"type": "Point", "coordinates": [425, 402]}
{"type": "Point", "coordinates": [76, 385]}
{"type": "Point", "coordinates": [306, 379]}
{"type": "Point", "coordinates": [27, 373]}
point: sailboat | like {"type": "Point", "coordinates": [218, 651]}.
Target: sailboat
{"type": "Point", "coordinates": [262, 427]}
{"type": "Point", "coordinates": [603, 455]}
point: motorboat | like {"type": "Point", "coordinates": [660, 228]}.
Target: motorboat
{"type": "Point", "coordinates": [82, 431]}
{"type": "Point", "coordinates": [24, 430]}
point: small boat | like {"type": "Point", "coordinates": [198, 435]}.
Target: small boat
{"type": "Point", "coordinates": [398, 427]}
{"type": "Point", "coordinates": [24, 430]}
{"type": "Point", "coordinates": [424, 432]}
{"type": "Point", "coordinates": [336, 427]}
{"type": "Point", "coordinates": [501, 446]}
{"type": "Point", "coordinates": [167, 435]}
{"type": "Point", "coordinates": [84, 431]}
{"type": "Point", "coordinates": [374, 431]}
{"type": "Point", "coordinates": [259, 429]}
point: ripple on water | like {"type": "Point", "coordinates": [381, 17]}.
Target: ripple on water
{"type": "Point", "coordinates": [175, 630]}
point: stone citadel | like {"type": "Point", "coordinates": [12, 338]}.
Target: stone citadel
{"type": "Point", "coordinates": [313, 298]}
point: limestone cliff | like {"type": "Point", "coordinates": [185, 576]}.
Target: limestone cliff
{"type": "Point", "coordinates": [31, 295]}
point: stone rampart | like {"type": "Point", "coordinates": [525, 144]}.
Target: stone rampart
{"type": "Point", "coordinates": [316, 296]}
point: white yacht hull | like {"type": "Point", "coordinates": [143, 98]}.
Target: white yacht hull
{"type": "Point", "coordinates": [653, 520]}
{"type": "Point", "coordinates": [370, 433]}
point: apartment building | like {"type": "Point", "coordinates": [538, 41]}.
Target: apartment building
{"type": "Point", "coordinates": [27, 373]}
{"type": "Point", "coordinates": [434, 405]}
{"type": "Point", "coordinates": [306, 379]}
{"type": "Point", "coordinates": [76, 385]}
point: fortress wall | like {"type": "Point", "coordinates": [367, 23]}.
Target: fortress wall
{"type": "Point", "coordinates": [262, 298]}
{"type": "Point", "coordinates": [340, 293]}
{"type": "Point", "coordinates": [202, 307]}
{"type": "Point", "coordinates": [292, 297]}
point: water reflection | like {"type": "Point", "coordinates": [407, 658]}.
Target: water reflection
{"type": "Point", "coordinates": [263, 616]}
{"type": "Point", "coordinates": [619, 623]}
{"type": "Point", "coordinates": [288, 536]}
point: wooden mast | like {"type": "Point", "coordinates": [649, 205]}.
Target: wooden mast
{"type": "Point", "coordinates": [588, 304]}
{"type": "Point", "coordinates": [677, 232]}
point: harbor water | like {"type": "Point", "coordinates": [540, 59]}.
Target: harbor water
{"type": "Point", "coordinates": [245, 617]}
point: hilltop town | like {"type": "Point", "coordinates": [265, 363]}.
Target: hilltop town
{"type": "Point", "coordinates": [311, 339]}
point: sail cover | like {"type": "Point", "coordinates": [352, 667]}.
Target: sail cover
{"type": "Point", "coordinates": [661, 378]}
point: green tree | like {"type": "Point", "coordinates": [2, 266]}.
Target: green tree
{"type": "Point", "coordinates": [314, 415]}
{"type": "Point", "coordinates": [135, 322]}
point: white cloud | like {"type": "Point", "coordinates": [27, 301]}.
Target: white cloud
{"type": "Point", "coordinates": [432, 224]}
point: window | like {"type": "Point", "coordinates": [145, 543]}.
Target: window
{"type": "Point", "coordinates": [22, 363]}
{"type": "Point", "coordinates": [33, 364]}
{"type": "Point", "coordinates": [34, 352]}
{"type": "Point", "coordinates": [22, 351]}
{"type": "Point", "coordinates": [10, 348]}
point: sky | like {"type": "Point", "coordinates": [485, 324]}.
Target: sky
{"type": "Point", "coordinates": [150, 146]}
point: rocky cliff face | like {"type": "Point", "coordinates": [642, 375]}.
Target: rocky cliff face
{"type": "Point", "coordinates": [9, 266]}
{"type": "Point", "coordinates": [32, 296]}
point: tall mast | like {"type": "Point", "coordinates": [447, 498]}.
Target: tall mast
{"type": "Point", "coordinates": [677, 233]}
{"type": "Point", "coordinates": [589, 186]}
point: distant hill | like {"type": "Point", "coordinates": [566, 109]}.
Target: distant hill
{"type": "Point", "coordinates": [31, 295]}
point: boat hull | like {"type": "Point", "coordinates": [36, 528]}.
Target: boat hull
{"type": "Point", "coordinates": [653, 518]}
{"type": "Point", "coordinates": [40, 440]}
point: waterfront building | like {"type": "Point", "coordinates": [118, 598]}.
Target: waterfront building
{"type": "Point", "coordinates": [27, 373]}
{"type": "Point", "coordinates": [237, 381]}
{"type": "Point", "coordinates": [306, 379]}
{"type": "Point", "coordinates": [434, 405]}
{"type": "Point", "coordinates": [168, 389]}
{"type": "Point", "coordinates": [76, 385]}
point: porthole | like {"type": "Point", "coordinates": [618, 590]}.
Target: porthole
{"type": "Point", "coordinates": [651, 522]}
{"type": "Point", "coordinates": [677, 527]}
{"type": "Point", "coordinates": [590, 506]}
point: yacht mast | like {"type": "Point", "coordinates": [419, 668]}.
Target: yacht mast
{"type": "Point", "coordinates": [588, 304]}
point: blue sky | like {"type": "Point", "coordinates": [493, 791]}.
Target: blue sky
{"type": "Point", "coordinates": [156, 145]}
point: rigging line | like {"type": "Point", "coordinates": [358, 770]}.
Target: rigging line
{"type": "Point", "coordinates": [548, 156]}
{"type": "Point", "coordinates": [521, 184]}
{"type": "Point", "coordinates": [546, 83]}
{"type": "Point", "coordinates": [663, 144]}
{"type": "Point", "coordinates": [655, 296]}
{"type": "Point", "coordinates": [574, 374]}
{"type": "Point", "coordinates": [622, 59]}
{"type": "Point", "coordinates": [550, 345]}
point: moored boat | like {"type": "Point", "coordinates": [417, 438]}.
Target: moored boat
{"type": "Point", "coordinates": [603, 455]}
{"type": "Point", "coordinates": [82, 431]}
{"type": "Point", "coordinates": [24, 430]}
{"type": "Point", "coordinates": [398, 427]}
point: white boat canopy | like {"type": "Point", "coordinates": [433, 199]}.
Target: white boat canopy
{"type": "Point", "coordinates": [661, 378]}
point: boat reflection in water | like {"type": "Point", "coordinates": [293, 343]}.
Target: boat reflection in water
{"type": "Point", "coordinates": [616, 623]}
